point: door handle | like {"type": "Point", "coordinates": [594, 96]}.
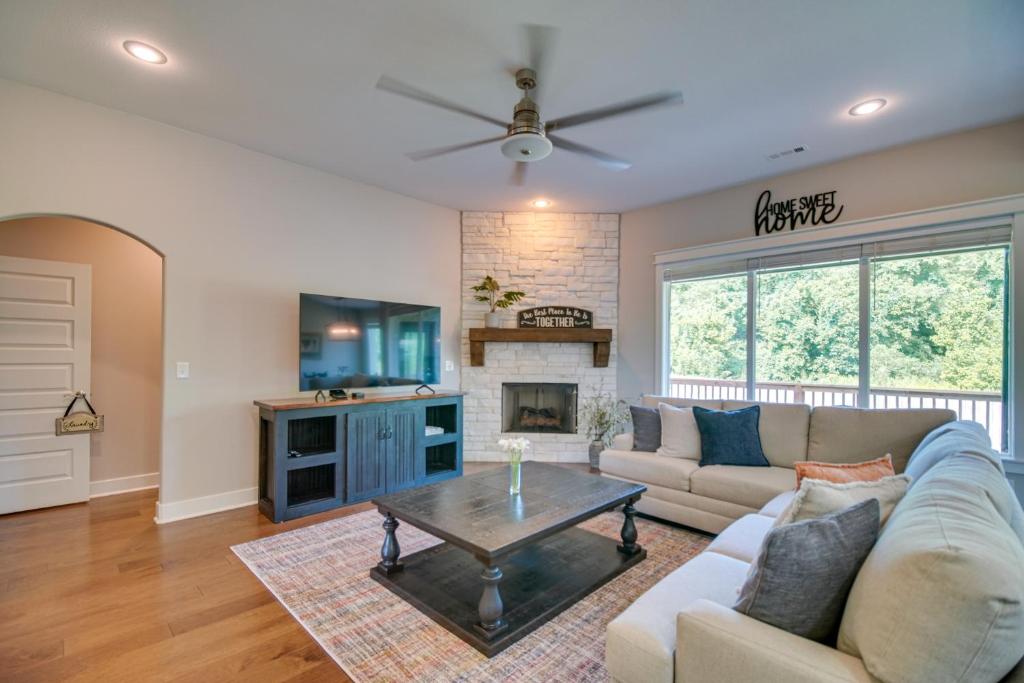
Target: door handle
{"type": "Point", "coordinates": [389, 433]}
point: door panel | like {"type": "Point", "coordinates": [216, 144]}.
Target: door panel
{"type": "Point", "coordinates": [366, 455]}
{"type": "Point", "coordinates": [402, 448]}
{"type": "Point", "coordinates": [45, 337]}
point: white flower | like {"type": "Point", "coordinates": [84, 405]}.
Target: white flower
{"type": "Point", "coordinates": [519, 444]}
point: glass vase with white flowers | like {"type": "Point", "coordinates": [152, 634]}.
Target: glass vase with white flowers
{"type": "Point", "coordinates": [516, 449]}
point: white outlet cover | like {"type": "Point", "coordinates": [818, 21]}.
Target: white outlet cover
{"type": "Point", "coordinates": [181, 371]}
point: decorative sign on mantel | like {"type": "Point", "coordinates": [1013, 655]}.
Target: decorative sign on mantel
{"type": "Point", "coordinates": [812, 209]}
{"type": "Point", "coordinates": [556, 316]}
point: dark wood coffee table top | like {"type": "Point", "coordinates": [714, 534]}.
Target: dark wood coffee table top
{"type": "Point", "coordinates": [477, 514]}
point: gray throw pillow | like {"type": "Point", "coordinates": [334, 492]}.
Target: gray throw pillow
{"type": "Point", "coordinates": [646, 428]}
{"type": "Point", "coordinates": [804, 572]}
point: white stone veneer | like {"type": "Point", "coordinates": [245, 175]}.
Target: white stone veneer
{"type": "Point", "coordinates": [557, 259]}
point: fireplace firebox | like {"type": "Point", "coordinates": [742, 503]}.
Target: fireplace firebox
{"type": "Point", "coordinates": [538, 407]}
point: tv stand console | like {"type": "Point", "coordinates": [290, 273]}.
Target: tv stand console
{"type": "Point", "coordinates": [315, 456]}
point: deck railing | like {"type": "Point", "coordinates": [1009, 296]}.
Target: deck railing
{"type": "Point", "coordinates": [983, 407]}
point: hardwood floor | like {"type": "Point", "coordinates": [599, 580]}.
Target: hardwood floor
{"type": "Point", "coordinates": [99, 592]}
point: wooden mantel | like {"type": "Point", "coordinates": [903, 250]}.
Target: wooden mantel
{"type": "Point", "coordinates": [600, 338]}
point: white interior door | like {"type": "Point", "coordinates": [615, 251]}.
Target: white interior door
{"type": "Point", "coordinates": [45, 335]}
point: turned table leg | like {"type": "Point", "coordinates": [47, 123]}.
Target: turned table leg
{"type": "Point", "coordinates": [491, 607]}
{"type": "Point", "coordinates": [629, 535]}
{"type": "Point", "coordinates": [389, 552]}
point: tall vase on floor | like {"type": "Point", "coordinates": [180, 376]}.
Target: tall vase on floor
{"type": "Point", "coordinates": [515, 448]}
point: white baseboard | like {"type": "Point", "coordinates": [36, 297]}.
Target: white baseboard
{"type": "Point", "coordinates": [136, 482]}
{"type": "Point", "coordinates": [204, 505]}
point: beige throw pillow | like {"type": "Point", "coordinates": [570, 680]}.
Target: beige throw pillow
{"type": "Point", "coordinates": [680, 437]}
{"type": "Point", "coordinates": [817, 498]}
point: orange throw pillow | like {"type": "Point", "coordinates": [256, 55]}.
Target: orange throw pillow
{"type": "Point", "coordinates": [843, 473]}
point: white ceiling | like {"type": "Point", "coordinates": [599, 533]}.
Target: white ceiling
{"type": "Point", "coordinates": [296, 80]}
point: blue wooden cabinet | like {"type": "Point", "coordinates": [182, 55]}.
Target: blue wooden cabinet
{"type": "Point", "coordinates": [318, 456]}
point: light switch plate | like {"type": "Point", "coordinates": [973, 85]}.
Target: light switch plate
{"type": "Point", "coordinates": [181, 371]}
{"type": "Point", "coordinates": [449, 366]}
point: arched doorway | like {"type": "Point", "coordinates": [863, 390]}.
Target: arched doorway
{"type": "Point", "coordinates": [125, 357]}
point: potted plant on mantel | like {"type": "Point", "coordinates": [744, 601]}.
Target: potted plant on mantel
{"type": "Point", "coordinates": [489, 292]}
{"type": "Point", "coordinates": [602, 417]}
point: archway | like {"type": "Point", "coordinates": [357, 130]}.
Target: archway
{"type": "Point", "coordinates": [126, 340]}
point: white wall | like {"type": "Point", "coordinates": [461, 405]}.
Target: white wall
{"type": "Point", "coordinates": [242, 234]}
{"type": "Point", "coordinates": [979, 164]}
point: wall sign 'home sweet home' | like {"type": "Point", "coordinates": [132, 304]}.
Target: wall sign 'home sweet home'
{"type": "Point", "coordinates": [812, 209]}
{"type": "Point", "coordinates": [556, 316]}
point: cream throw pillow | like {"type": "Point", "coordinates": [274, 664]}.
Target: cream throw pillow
{"type": "Point", "coordinates": [680, 437]}
{"type": "Point", "coordinates": [817, 498]}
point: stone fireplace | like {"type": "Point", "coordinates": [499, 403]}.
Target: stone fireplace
{"type": "Point", "coordinates": [538, 407]}
{"type": "Point", "coordinates": [557, 259]}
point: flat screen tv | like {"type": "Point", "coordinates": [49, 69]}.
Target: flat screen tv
{"type": "Point", "coordinates": [357, 343]}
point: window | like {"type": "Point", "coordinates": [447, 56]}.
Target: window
{"type": "Point", "coordinates": [912, 323]}
{"type": "Point", "coordinates": [938, 334]}
{"type": "Point", "coordinates": [709, 343]}
{"type": "Point", "coordinates": [807, 335]}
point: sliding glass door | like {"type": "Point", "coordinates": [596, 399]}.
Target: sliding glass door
{"type": "Point", "coordinates": [911, 324]}
{"type": "Point", "coordinates": [938, 334]}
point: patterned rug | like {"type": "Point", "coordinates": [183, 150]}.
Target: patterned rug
{"type": "Point", "coordinates": [320, 574]}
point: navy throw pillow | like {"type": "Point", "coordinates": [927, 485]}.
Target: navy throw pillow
{"type": "Point", "coordinates": [646, 428]}
{"type": "Point", "coordinates": [730, 437]}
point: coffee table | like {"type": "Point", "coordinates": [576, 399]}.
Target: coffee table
{"type": "Point", "coordinates": [509, 563]}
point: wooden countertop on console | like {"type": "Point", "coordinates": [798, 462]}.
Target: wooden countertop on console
{"type": "Point", "coordinates": [300, 402]}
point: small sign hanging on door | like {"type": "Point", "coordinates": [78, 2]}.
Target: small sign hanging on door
{"type": "Point", "coordinates": [77, 423]}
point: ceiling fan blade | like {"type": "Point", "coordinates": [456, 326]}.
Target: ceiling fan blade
{"type": "Point", "coordinates": [606, 159]}
{"type": "Point", "coordinates": [518, 176]}
{"type": "Point", "coordinates": [438, 151]}
{"type": "Point", "coordinates": [654, 100]}
{"type": "Point", "coordinates": [390, 85]}
{"type": "Point", "coordinates": [538, 46]}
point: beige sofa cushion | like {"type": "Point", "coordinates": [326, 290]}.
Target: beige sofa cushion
{"type": "Point", "coordinates": [742, 540]}
{"type": "Point", "coordinates": [777, 505]}
{"type": "Point", "coordinates": [640, 643]}
{"type": "Point", "coordinates": [680, 437]}
{"type": "Point", "coordinates": [653, 401]}
{"type": "Point", "coordinates": [817, 498]}
{"type": "Point", "coordinates": [783, 428]}
{"type": "Point", "coordinates": [751, 487]}
{"type": "Point", "coordinates": [715, 644]}
{"type": "Point", "coordinates": [941, 596]}
{"type": "Point", "coordinates": [856, 435]}
{"type": "Point", "coordinates": [650, 468]}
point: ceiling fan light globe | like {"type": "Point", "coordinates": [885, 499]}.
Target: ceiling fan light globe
{"type": "Point", "coordinates": [526, 147]}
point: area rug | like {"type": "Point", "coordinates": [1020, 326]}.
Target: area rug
{"type": "Point", "coordinates": [320, 574]}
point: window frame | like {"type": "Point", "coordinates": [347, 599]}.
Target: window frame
{"type": "Point", "coordinates": [1001, 212]}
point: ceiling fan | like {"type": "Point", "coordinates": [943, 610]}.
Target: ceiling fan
{"type": "Point", "coordinates": [527, 138]}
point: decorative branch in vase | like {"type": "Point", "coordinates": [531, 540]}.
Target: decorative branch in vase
{"type": "Point", "coordinates": [602, 417]}
{"type": "Point", "coordinates": [515, 448]}
{"type": "Point", "coordinates": [489, 292]}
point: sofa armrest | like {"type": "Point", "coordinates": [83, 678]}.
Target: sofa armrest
{"type": "Point", "coordinates": [622, 442]}
{"type": "Point", "coordinates": [716, 643]}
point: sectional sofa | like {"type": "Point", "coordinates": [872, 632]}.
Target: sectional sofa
{"type": "Point", "coordinates": [712, 498]}
{"type": "Point", "coordinates": [939, 598]}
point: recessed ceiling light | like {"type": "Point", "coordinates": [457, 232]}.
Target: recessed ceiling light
{"type": "Point", "coordinates": [146, 53]}
{"type": "Point", "coordinates": [540, 203]}
{"type": "Point", "coordinates": [865, 108]}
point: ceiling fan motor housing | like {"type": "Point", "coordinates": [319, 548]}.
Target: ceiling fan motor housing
{"type": "Point", "coordinates": [526, 140]}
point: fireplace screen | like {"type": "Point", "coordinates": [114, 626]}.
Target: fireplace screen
{"type": "Point", "coordinates": [538, 407]}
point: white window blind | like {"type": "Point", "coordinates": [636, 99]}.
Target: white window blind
{"type": "Point", "coordinates": [874, 249]}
